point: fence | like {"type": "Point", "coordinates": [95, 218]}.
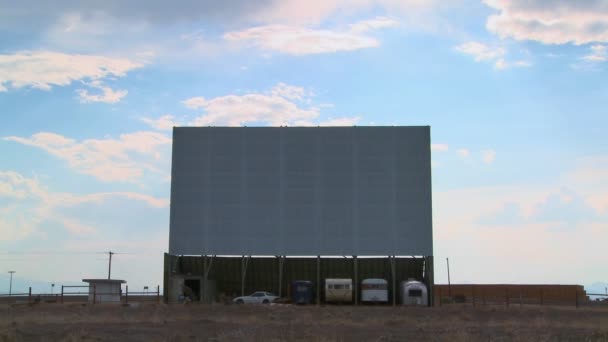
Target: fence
{"type": "Point", "coordinates": [517, 295]}
{"type": "Point", "coordinates": [90, 295]}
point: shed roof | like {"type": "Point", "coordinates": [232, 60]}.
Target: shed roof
{"type": "Point", "coordinates": [120, 281]}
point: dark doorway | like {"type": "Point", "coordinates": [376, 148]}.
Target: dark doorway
{"type": "Point", "coordinates": [195, 288]}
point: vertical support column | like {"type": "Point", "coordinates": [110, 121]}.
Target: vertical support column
{"type": "Point", "coordinates": [94, 294]}
{"type": "Point", "coordinates": [61, 294]}
{"type": "Point", "coordinates": [127, 294]}
{"type": "Point", "coordinates": [157, 294]}
{"type": "Point", "coordinates": [393, 279]}
{"type": "Point", "coordinates": [244, 261]}
{"type": "Point", "coordinates": [356, 282]}
{"type": "Point", "coordinates": [281, 261]}
{"type": "Point", "coordinates": [204, 284]}
{"type": "Point", "coordinates": [430, 277]}
{"type": "Point", "coordinates": [29, 296]}
{"type": "Point", "coordinates": [318, 280]}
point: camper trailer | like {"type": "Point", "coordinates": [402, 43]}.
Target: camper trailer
{"type": "Point", "coordinates": [414, 292]}
{"type": "Point", "coordinates": [374, 290]}
{"type": "Point", "coordinates": [338, 290]}
{"type": "Point", "coordinates": [302, 292]}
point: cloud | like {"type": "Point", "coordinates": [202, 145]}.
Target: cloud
{"type": "Point", "coordinates": [346, 121]}
{"type": "Point", "coordinates": [480, 51]}
{"type": "Point", "coordinates": [488, 156]}
{"type": "Point", "coordinates": [125, 159]}
{"type": "Point", "coordinates": [550, 22]}
{"type": "Point", "coordinates": [44, 69]}
{"type": "Point", "coordinates": [108, 95]}
{"type": "Point", "coordinates": [463, 152]}
{"type": "Point", "coordinates": [295, 40]}
{"type": "Point", "coordinates": [599, 53]}
{"type": "Point", "coordinates": [164, 123]}
{"type": "Point", "coordinates": [485, 53]}
{"type": "Point", "coordinates": [440, 147]}
{"type": "Point", "coordinates": [32, 204]}
{"type": "Point", "coordinates": [282, 105]}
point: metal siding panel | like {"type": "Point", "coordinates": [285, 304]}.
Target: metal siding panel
{"type": "Point", "coordinates": [301, 191]}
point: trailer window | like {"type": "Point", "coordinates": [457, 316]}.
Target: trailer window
{"type": "Point", "coordinates": [415, 293]}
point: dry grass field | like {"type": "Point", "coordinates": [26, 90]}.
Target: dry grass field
{"type": "Point", "coordinates": [154, 322]}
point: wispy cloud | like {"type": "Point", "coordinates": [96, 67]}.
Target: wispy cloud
{"type": "Point", "coordinates": [125, 159]}
{"type": "Point", "coordinates": [107, 95]}
{"type": "Point", "coordinates": [440, 147]}
{"type": "Point", "coordinates": [488, 156]}
{"type": "Point", "coordinates": [486, 53]}
{"type": "Point", "coordinates": [282, 105]}
{"type": "Point", "coordinates": [44, 69]}
{"type": "Point", "coordinates": [598, 53]}
{"type": "Point", "coordinates": [33, 204]}
{"type": "Point", "coordinates": [548, 22]}
{"type": "Point", "coordinates": [163, 123]}
{"type": "Point", "coordinates": [295, 40]}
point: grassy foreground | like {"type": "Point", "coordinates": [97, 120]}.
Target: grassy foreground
{"type": "Point", "coordinates": [152, 322]}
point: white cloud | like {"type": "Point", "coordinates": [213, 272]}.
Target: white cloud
{"type": "Point", "coordinates": [550, 22]}
{"type": "Point", "coordinates": [33, 204]}
{"type": "Point", "coordinates": [44, 69]}
{"type": "Point", "coordinates": [440, 147]}
{"type": "Point", "coordinates": [464, 153]}
{"type": "Point", "coordinates": [599, 53]}
{"type": "Point", "coordinates": [348, 121]}
{"type": "Point", "coordinates": [164, 123]}
{"type": "Point", "coordinates": [282, 105]}
{"type": "Point", "coordinates": [485, 53]}
{"type": "Point", "coordinates": [488, 156]}
{"type": "Point", "coordinates": [373, 24]}
{"type": "Point", "coordinates": [481, 52]}
{"type": "Point", "coordinates": [288, 91]}
{"type": "Point", "coordinates": [295, 40]}
{"type": "Point", "coordinates": [125, 159]}
{"type": "Point", "coordinates": [108, 95]}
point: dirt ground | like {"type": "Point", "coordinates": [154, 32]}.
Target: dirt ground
{"type": "Point", "coordinates": [157, 322]}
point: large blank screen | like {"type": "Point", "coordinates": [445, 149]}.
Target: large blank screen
{"type": "Point", "coordinates": [301, 191]}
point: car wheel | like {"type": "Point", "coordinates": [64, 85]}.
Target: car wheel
{"type": "Point", "coordinates": [265, 301]}
{"type": "Point", "coordinates": [240, 301]}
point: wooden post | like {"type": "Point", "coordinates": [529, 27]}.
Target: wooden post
{"type": "Point", "coordinates": [157, 294]}
{"type": "Point", "coordinates": [29, 296]}
{"type": "Point", "coordinates": [94, 294]}
{"type": "Point", "coordinates": [127, 294]}
{"type": "Point", "coordinates": [61, 294]}
{"type": "Point", "coordinates": [281, 260]}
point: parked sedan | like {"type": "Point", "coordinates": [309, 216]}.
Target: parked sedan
{"type": "Point", "coordinates": [259, 297]}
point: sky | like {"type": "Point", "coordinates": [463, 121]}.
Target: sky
{"type": "Point", "coordinates": [515, 93]}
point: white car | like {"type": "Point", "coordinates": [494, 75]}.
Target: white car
{"type": "Point", "coordinates": [259, 297]}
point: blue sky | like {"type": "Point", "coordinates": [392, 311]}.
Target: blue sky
{"type": "Point", "coordinates": [515, 93]}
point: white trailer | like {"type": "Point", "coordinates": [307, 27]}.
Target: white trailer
{"type": "Point", "coordinates": [374, 290]}
{"type": "Point", "coordinates": [414, 292]}
{"type": "Point", "coordinates": [338, 290]}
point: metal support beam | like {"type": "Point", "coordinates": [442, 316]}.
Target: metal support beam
{"type": "Point", "coordinates": [281, 261]}
{"type": "Point", "coordinates": [356, 282]}
{"type": "Point", "coordinates": [429, 274]}
{"type": "Point", "coordinates": [393, 278]}
{"type": "Point", "coordinates": [244, 262]}
{"type": "Point", "coordinates": [207, 263]}
{"type": "Point", "coordinates": [318, 280]}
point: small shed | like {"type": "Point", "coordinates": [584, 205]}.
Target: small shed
{"type": "Point", "coordinates": [104, 290]}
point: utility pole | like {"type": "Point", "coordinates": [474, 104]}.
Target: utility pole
{"type": "Point", "coordinates": [449, 284]}
{"type": "Point", "coordinates": [110, 263]}
{"type": "Point", "coordinates": [10, 286]}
